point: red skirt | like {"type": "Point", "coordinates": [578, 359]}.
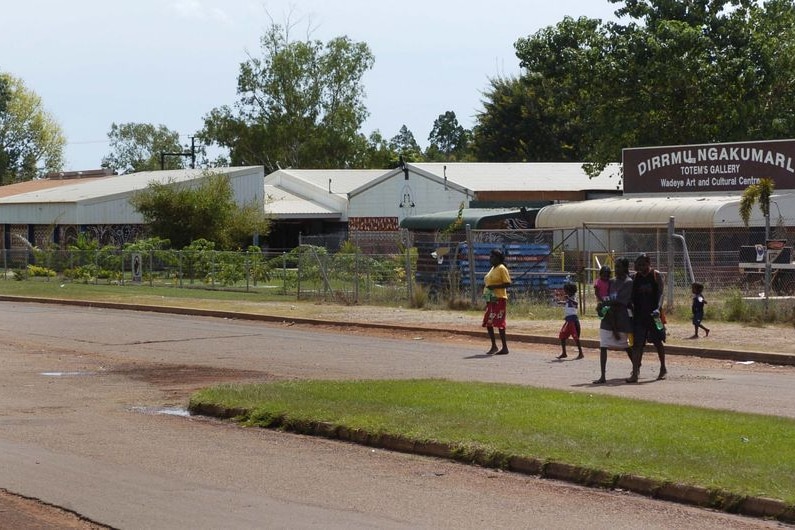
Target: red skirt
{"type": "Point", "coordinates": [494, 317]}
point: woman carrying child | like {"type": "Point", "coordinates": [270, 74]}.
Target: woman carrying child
{"type": "Point", "coordinates": [616, 325]}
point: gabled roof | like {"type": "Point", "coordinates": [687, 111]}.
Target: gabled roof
{"type": "Point", "coordinates": [41, 184]}
{"type": "Point", "coordinates": [336, 181]}
{"type": "Point", "coordinates": [76, 190]}
{"type": "Point", "coordinates": [284, 205]}
{"type": "Point", "coordinates": [524, 176]}
{"type": "Point", "coordinates": [508, 176]}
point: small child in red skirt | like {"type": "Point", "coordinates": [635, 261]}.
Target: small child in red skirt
{"type": "Point", "coordinates": [571, 321]}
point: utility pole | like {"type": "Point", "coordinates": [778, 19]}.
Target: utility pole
{"type": "Point", "coordinates": [191, 154]}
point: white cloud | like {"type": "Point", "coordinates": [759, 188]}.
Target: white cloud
{"type": "Point", "coordinates": [197, 10]}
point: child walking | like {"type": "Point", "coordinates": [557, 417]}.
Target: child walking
{"type": "Point", "coordinates": [698, 309]}
{"type": "Point", "coordinates": [571, 322]}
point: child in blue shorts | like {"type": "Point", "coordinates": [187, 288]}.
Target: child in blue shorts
{"type": "Point", "coordinates": [698, 309]}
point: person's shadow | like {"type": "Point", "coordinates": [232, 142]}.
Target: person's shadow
{"type": "Point", "coordinates": [616, 381]}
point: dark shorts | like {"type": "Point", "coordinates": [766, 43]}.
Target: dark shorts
{"type": "Point", "coordinates": [647, 332]}
{"type": "Point", "coordinates": [698, 316]}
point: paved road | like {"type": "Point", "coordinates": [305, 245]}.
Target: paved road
{"type": "Point", "coordinates": [89, 423]}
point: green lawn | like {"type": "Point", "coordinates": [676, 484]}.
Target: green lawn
{"type": "Point", "coordinates": [744, 454]}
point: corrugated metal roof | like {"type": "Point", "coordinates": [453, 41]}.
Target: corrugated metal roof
{"type": "Point", "coordinates": [85, 189]}
{"type": "Point", "coordinates": [342, 180]}
{"type": "Point", "coordinates": [529, 176]}
{"type": "Point", "coordinates": [689, 211]}
{"type": "Point", "coordinates": [40, 184]}
{"type": "Point", "coordinates": [282, 204]}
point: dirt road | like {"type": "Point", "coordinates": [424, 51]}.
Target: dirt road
{"type": "Point", "coordinates": [91, 423]}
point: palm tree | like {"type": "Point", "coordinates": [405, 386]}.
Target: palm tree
{"type": "Point", "coordinates": [759, 193]}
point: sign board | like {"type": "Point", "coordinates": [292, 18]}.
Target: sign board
{"type": "Point", "coordinates": [709, 167]}
{"type": "Point", "coordinates": [752, 257]}
{"type": "Point", "coordinates": [775, 247]}
{"type": "Point", "coordinates": [136, 268]}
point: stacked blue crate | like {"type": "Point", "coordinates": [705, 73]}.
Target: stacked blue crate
{"type": "Point", "coordinates": [524, 261]}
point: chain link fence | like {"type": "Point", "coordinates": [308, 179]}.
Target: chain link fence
{"type": "Point", "coordinates": [388, 267]}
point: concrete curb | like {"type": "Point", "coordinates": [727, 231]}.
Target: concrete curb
{"type": "Point", "coordinates": [731, 355]}
{"type": "Point", "coordinates": [722, 500]}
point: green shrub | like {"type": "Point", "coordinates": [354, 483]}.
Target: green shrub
{"type": "Point", "coordinates": [419, 296]}
{"type": "Point", "coordinates": [36, 271]}
{"type": "Point", "coordinates": [735, 308]}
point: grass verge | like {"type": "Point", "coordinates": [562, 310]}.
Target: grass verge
{"type": "Point", "coordinates": [744, 454]}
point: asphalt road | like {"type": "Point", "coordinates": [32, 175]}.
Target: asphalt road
{"type": "Point", "coordinates": [90, 423]}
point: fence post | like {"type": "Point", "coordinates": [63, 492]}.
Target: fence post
{"type": "Point", "coordinates": [248, 272]}
{"type": "Point", "coordinates": [409, 272]}
{"type": "Point", "coordinates": [356, 277]}
{"type": "Point", "coordinates": [768, 265]}
{"type": "Point", "coordinates": [284, 273]}
{"type": "Point", "coordinates": [298, 279]}
{"type": "Point", "coordinates": [670, 301]}
{"type": "Point", "coordinates": [212, 268]}
{"type": "Point", "coordinates": [471, 258]}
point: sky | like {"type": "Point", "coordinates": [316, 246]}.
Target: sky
{"type": "Point", "coordinates": [170, 62]}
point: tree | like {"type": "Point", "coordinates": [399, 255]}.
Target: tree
{"type": "Point", "coordinates": [403, 143]}
{"type": "Point", "coordinates": [449, 140]}
{"type": "Point", "coordinates": [518, 124]}
{"type": "Point", "coordinates": [667, 73]}
{"type": "Point", "coordinates": [138, 147]}
{"type": "Point", "coordinates": [759, 193]}
{"type": "Point", "coordinates": [374, 152]}
{"type": "Point", "coordinates": [300, 104]}
{"type": "Point", "coordinates": [182, 213]}
{"type": "Point", "coordinates": [31, 141]}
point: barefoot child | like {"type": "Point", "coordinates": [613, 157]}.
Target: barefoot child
{"type": "Point", "coordinates": [698, 309]}
{"type": "Point", "coordinates": [571, 323]}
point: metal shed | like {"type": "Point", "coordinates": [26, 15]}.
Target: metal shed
{"type": "Point", "coordinates": [477, 218]}
{"type": "Point", "coordinates": [706, 212]}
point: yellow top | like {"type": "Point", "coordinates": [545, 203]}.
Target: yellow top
{"type": "Point", "coordinates": [498, 276]}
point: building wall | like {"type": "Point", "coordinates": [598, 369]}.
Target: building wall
{"type": "Point", "coordinates": [401, 198]}
{"type": "Point", "coordinates": [372, 224]}
{"type": "Point", "coordinates": [111, 219]}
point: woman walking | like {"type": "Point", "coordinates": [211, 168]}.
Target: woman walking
{"type": "Point", "coordinates": [497, 280]}
{"type": "Point", "coordinates": [616, 325]}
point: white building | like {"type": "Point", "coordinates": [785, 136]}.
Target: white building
{"type": "Point", "coordinates": [58, 209]}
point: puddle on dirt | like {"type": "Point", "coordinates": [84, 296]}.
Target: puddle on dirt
{"type": "Point", "coordinates": [168, 411]}
{"type": "Point", "coordinates": [65, 374]}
